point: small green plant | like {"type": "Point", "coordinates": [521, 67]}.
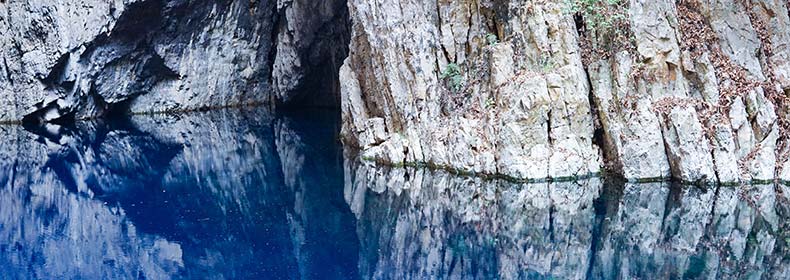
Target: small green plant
{"type": "Point", "coordinates": [598, 14]}
{"type": "Point", "coordinates": [490, 103]}
{"type": "Point", "coordinates": [452, 76]}
{"type": "Point", "coordinates": [606, 20]}
{"type": "Point", "coordinates": [547, 64]}
{"type": "Point", "coordinates": [492, 39]}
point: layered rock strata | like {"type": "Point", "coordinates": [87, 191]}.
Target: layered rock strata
{"type": "Point", "coordinates": [693, 90]}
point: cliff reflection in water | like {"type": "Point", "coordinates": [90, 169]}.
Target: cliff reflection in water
{"type": "Point", "coordinates": [225, 194]}
{"type": "Point", "coordinates": [429, 224]}
{"type": "Point", "coordinates": [251, 195]}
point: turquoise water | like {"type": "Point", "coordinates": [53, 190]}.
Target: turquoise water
{"type": "Point", "coordinates": [248, 194]}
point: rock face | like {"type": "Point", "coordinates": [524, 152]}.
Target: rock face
{"type": "Point", "coordinates": [688, 89]}
{"type": "Point", "coordinates": [519, 108]}
{"type": "Point", "coordinates": [81, 59]}
{"type": "Point", "coordinates": [431, 224]}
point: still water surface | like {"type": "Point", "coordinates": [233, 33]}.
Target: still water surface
{"type": "Point", "coordinates": [246, 194]}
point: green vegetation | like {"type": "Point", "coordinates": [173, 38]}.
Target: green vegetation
{"type": "Point", "coordinates": [492, 39]}
{"type": "Point", "coordinates": [489, 103]}
{"type": "Point", "coordinates": [547, 64]}
{"type": "Point", "coordinates": [606, 25]}
{"type": "Point", "coordinates": [453, 77]}
{"type": "Point", "coordinates": [599, 15]}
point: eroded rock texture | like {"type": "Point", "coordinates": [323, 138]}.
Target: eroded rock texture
{"type": "Point", "coordinates": [431, 224]}
{"type": "Point", "coordinates": [510, 117]}
{"type": "Point", "coordinates": [690, 89]}
{"type": "Point", "coordinates": [81, 59]}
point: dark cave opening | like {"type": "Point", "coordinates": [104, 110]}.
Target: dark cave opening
{"type": "Point", "coordinates": [298, 49]}
{"type": "Point", "coordinates": [322, 44]}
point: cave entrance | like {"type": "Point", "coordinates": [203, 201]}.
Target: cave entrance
{"type": "Point", "coordinates": [311, 40]}
{"type": "Point", "coordinates": [170, 56]}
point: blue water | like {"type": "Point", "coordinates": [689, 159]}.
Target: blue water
{"type": "Point", "coordinates": [249, 194]}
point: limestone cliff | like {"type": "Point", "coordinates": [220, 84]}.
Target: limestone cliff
{"type": "Point", "coordinates": [65, 60]}
{"type": "Point", "coordinates": [690, 89]}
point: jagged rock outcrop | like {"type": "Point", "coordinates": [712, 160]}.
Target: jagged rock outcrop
{"type": "Point", "coordinates": [81, 59]}
{"type": "Point", "coordinates": [690, 89]}
{"type": "Point", "coordinates": [431, 224]}
{"type": "Point", "coordinates": [523, 111]}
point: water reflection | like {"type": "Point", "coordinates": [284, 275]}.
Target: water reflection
{"type": "Point", "coordinates": [251, 195]}
{"type": "Point", "coordinates": [226, 194]}
{"type": "Point", "coordinates": [429, 224]}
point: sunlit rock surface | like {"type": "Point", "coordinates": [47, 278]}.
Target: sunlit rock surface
{"type": "Point", "coordinates": [690, 89]}
{"type": "Point", "coordinates": [431, 224]}
{"type": "Point", "coordinates": [518, 108]}
{"type": "Point", "coordinates": [204, 195]}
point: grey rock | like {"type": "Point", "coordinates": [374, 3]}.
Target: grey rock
{"type": "Point", "coordinates": [517, 107]}
{"type": "Point", "coordinates": [656, 98]}
{"type": "Point", "coordinates": [84, 59]}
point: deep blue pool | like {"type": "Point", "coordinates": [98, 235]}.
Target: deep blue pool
{"type": "Point", "coordinates": [248, 194]}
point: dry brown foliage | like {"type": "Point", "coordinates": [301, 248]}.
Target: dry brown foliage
{"type": "Point", "coordinates": [733, 80]}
